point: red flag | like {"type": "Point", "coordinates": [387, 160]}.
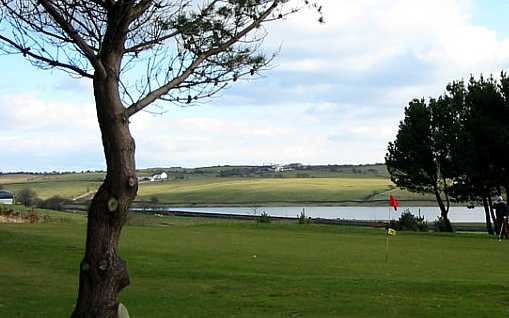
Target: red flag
{"type": "Point", "coordinates": [393, 202]}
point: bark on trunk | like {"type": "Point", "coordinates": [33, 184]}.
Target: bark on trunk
{"type": "Point", "coordinates": [443, 210]}
{"type": "Point", "coordinates": [489, 228]}
{"type": "Point", "coordinates": [103, 274]}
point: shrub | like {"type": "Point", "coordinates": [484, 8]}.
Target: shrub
{"type": "Point", "coordinates": [26, 196]}
{"type": "Point", "coordinates": [263, 218]}
{"type": "Point", "coordinates": [440, 225]}
{"type": "Point", "coordinates": [409, 222]}
{"type": "Point", "coordinates": [302, 218]}
{"type": "Point", "coordinates": [53, 203]}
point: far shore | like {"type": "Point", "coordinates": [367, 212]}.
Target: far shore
{"type": "Point", "coordinates": [349, 203]}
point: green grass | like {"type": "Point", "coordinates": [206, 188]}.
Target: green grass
{"type": "Point", "coordinates": [259, 190]}
{"type": "Point", "coordinates": [46, 189]}
{"type": "Point", "coordinates": [205, 188]}
{"type": "Point", "coordinates": [405, 195]}
{"type": "Point", "coordinates": [191, 268]}
{"type": "Point", "coordinates": [66, 185]}
{"type": "Point", "coordinates": [45, 215]}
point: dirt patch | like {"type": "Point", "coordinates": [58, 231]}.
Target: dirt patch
{"type": "Point", "coordinates": [9, 215]}
{"type": "Point", "coordinates": [13, 219]}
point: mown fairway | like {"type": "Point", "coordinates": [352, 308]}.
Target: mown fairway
{"type": "Point", "coordinates": [194, 268]}
{"type": "Point", "coordinates": [263, 190]}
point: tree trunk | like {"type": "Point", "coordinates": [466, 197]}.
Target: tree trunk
{"type": "Point", "coordinates": [489, 228]}
{"type": "Point", "coordinates": [103, 274]}
{"type": "Point", "coordinates": [443, 210]}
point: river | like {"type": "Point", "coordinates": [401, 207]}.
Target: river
{"type": "Point", "coordinates": [456, 214]}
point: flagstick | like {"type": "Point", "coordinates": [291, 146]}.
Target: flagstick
{"type": "Point", "coordinates": [386, 247]}
{"type": "Point", "coordinates": [387, 235]}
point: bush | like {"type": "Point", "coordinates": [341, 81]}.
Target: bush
{"type": "Point", "coordinates": [409, 222]}
{"type": "Point", "coordinates": [302, 218]}
{"type": "Point", "coordinates": [263, 218]}
{"type": "Point", "coordinates": [27, 197]}
{"type": "Point", "coordinates": [440, 225]}
{"type": "Point", "coordinates": [53, 203]}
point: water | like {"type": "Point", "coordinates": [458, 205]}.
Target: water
{"type": "Point", "coordinates": [456, 214]}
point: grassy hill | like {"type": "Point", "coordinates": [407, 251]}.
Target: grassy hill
{"type": "Point", "coordinates": [261, 190]}
{"type": "Point", "coordinates": [67, 185]}
{"type": "Point", "coordinates": [231, 185]}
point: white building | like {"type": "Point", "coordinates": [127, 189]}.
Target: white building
{"type": "Point", "coordinates": [159, 176]}
{"type": "Point", "coordinates": [281, 168]}
{"type": "Point", "coordinates": [6, 197]}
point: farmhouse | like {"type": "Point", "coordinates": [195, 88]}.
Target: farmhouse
{"type": "Point", "coordinates": [159, 176]}
{"type": "Point", "coordinates": [155, 177]}
{"type": "Point", "coordinates": [281, 168]}
{"type": "Point", "coordinates": [6, 197]}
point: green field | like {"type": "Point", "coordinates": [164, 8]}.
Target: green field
{"type": "Point", "coordinates": [261, 190]}
{"type": "Point", "coordinates": [65, 185]}
{"type": "Point", "coordinates": [195, 268]}
{"type": "Point", "coordinates": [201, 186]}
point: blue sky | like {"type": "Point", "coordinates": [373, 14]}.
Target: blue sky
{"type": "Point", "coordinates": [335, 95]}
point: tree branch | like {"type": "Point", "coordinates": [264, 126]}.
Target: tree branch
{"type": "Point", "coordinates": [71, 32]}
{"type": "Point", "coordinates": [50, 62]}
{"type": "Point", "coordinates": [140, 8]}
{"type": "Point", "coordinates": [164, 89]}
{"type": "Point", "coordinates": [148, 44]}
{"type": "Point", "coordinates": [103, 3]}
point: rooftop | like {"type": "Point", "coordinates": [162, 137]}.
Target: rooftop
{"type": "Point", "coordinates": [6, 195]}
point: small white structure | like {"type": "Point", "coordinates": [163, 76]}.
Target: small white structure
{"type": "Point", "coordinates": [281, 168]}
{"type": "Point", "coordinates": [6, 197]}
{"type": "Point", "coordinates": [159, 176]}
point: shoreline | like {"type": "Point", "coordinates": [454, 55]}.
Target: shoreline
{"type": "Point", "coordinates": [344, 203]}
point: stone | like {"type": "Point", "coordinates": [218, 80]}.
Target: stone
{"type": "Point", "coordinates": [122, 311]}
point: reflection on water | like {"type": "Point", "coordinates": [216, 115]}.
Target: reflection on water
{"type": "Point", "coordinates": [456, 214]}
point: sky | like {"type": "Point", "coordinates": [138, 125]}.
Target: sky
{"type": "Point", "coordinates": [335, 94]}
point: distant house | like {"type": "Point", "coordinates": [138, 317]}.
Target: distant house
{"type": "Point", "coordinates": [6, 197]}
{"type": "Point", "coordinates": [281, 168]}
{"type": "Point", "coordinates": [159, 176]}
{"type": "Point", "coordinates": [278, 168]}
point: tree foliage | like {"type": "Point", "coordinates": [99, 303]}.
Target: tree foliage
{"type": "Point", "coordinates": [418, 160]}
{"type": "Point", "coordinates": [172, 50]}
{"type": "Point", "coordinates": [27, 197]}
{"type": "Point", "coordinates": [457, 143]}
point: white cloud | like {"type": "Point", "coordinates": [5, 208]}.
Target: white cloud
{"type": "Point", "coordinates": [32, 112]}
{"type": "Point", "coordinates": [46, 135]}
{"type": "Point", "coordinates": [359, 35]}
{"type": "Point", "coordinates": [336, 94]}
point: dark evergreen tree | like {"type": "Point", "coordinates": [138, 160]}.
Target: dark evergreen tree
{"type": "Point", "coordinates": [456, 146]}
{"type": "Point", "coordinates": [419, 157]}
